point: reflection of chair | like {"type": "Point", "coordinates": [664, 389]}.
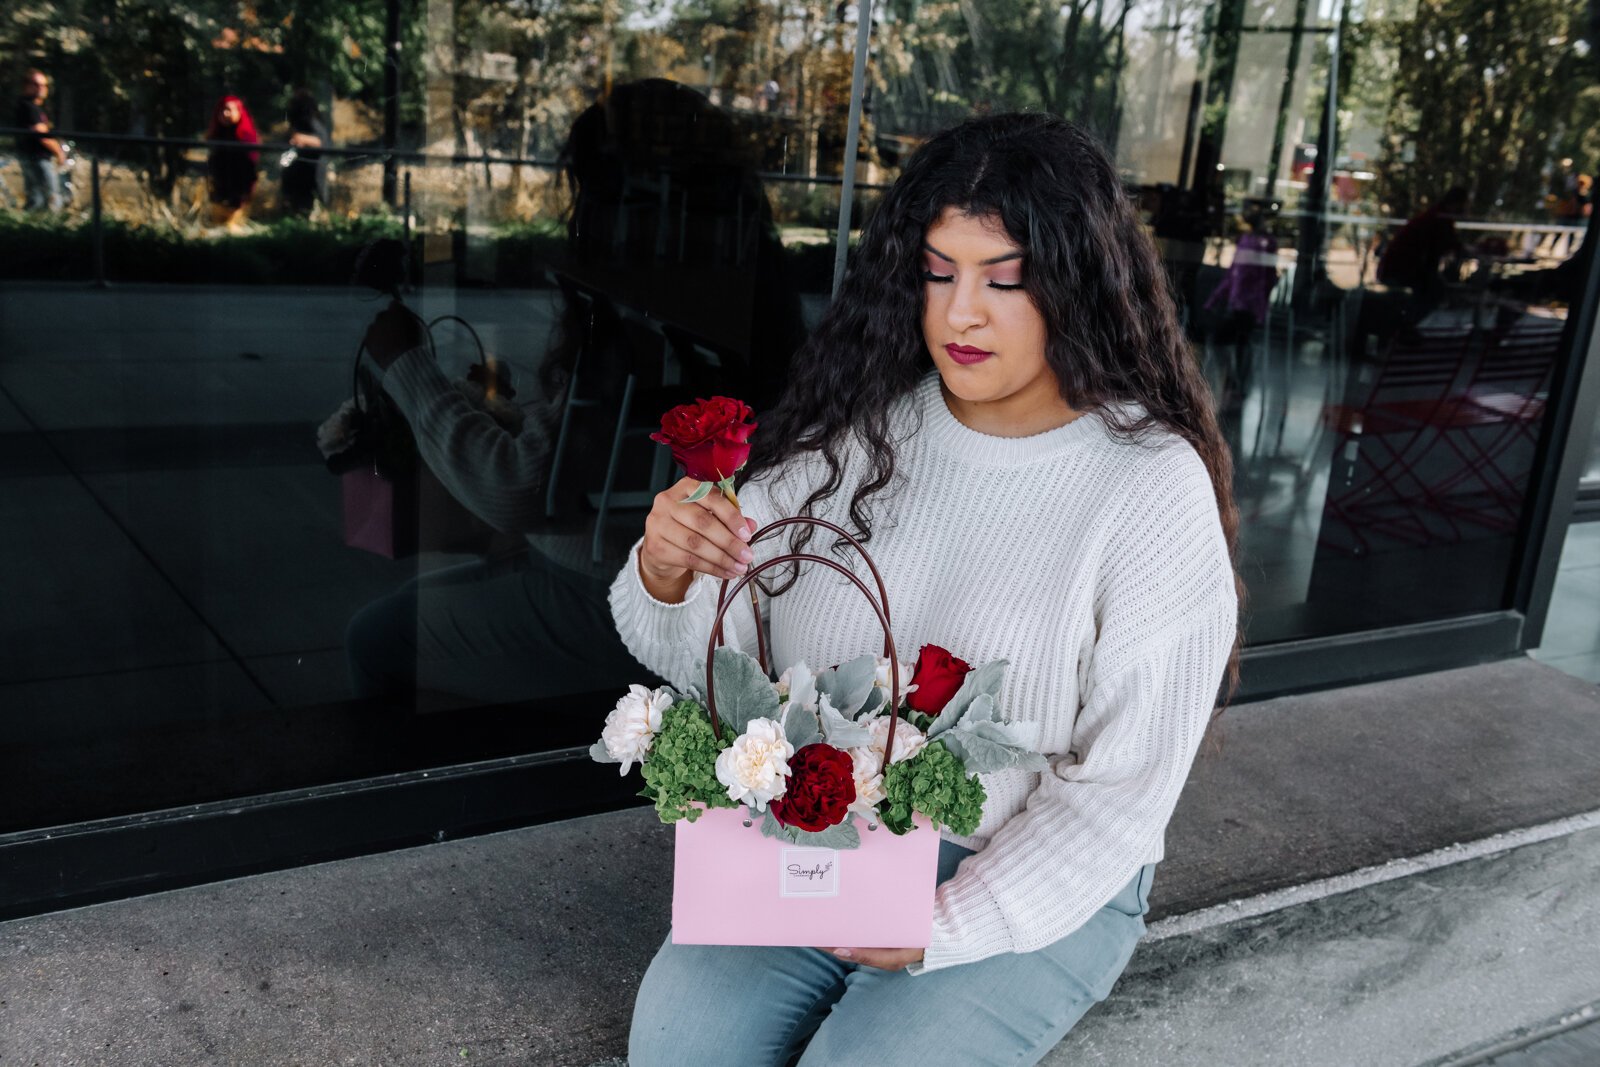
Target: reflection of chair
{"type": "Point", "coordinates": [1381, 485]}
{"type": "Point", "coordinates": [600, 320]}
{"type": "Point", "coordinates": [605, 325]}
{"type": "Point", "coordinates": [1493, 426]}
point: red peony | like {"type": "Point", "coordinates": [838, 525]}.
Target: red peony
{"type": "Point", "coordinates": [710, 439]}
{"type": "Point", "coordinates": [822, 786]}
{"type": "Point", "coordinates": [937, 676]}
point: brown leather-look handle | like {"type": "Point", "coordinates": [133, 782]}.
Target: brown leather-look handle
{"type": "Point", "coordinates": [769, 530]}
{"type": "Point", "coordinates": [729, 596]}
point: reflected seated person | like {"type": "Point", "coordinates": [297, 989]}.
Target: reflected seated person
{"type": "Point", "coordinates": [520, 627]}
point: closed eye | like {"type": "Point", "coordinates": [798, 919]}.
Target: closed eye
{"type": "Point", "coordinates": [929, 276]}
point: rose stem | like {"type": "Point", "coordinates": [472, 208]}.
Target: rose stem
{"type": "Point", "coordinates": [755, 605]}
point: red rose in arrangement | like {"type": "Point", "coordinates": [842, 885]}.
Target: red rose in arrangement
{"type": "Point", "coordinates": [710, 439]}
{"type": "Point", "coordinates": [937, 676]}
{"type": "Point", "coordinates": [822, 786]}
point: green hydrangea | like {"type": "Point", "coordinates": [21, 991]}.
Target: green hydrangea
{"type": "Point", "coordinates": [934, 783]}
{"type": "Point", "coordinates": [681, 771]}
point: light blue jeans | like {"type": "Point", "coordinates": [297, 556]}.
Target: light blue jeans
{"type": "Point", "coordinates": [705, 1005]}
{"type": "Point", "coordinates": [41, 183]}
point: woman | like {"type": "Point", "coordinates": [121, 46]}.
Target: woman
{"type": "Point", "coordinates": [1001, 401]}
{"type": "Point", "coordinates": [304, 181]}
{"type": "Point", "coordinates": [232, 169]}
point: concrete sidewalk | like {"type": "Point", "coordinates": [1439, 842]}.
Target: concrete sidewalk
{"type": "Point", "coordinates": [525, 947]}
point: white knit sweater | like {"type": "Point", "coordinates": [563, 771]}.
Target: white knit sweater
{"type": "Point", "coordinates": [1096, 566]}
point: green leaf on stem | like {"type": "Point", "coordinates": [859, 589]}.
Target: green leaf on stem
{"type": "Point", "coordinates": [743, 690]}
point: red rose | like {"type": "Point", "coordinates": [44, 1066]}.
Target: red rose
{"type": "Point", "coordinates": [710, 439]}
{"type": "Point", "coordinates": [937, 676]}
{"type": "Point", "coordinates": [822, 786]}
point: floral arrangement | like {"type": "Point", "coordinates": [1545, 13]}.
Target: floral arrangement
{"type": "Point", "coordinates": [808, 754]}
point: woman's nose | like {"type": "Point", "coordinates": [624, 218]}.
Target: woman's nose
{"type": "Point", "coordinates": [966, 306]}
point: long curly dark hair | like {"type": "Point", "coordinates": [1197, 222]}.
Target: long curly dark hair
{"type": "Point", "coordinates": [1090, 268]}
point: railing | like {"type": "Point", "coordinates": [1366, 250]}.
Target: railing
{"type": "Point", "coordinates": [374, 154]}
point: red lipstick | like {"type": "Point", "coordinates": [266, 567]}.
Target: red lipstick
{"type": "Point", "coordinates": [966, 355]}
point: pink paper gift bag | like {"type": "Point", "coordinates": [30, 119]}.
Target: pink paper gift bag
{"type": "Point", "coordinates": [732, 885]}
{"type": "Point", "coordinates": [379, 515]}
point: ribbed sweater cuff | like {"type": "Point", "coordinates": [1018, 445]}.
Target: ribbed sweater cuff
{"type": "Point", "coordinates": [654, 622]}
{"type": "Point", "coordinates": [983, 930]}
{"type": "Point", "coordinates": [413, 380]}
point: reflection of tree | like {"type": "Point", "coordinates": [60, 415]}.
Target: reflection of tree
{"type": "Point", "coordinates": [1479, 93]}
{"type": "Point", "coordinates": [941, 60]}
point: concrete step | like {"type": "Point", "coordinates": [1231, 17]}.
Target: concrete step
{"type": "Point", "coordinates": [1439, 959]}
{"type": "Point", "coordinates": [526, 947]}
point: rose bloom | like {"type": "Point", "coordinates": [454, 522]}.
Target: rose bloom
{"type": "Point", "coordinates": [867, 764]}
{"type": "Point", "coordinates": [710, 439]}
{"type": "Point", "coordinates": [937, 677]}
{"type": "Point", "coordinates": [822, 786]}
{"type": "Point", "coordinates": [908, 740]}
{"type": "Point", "coordinates": [755, 767]}
{"type": "Point", "coordinates": [632, 724]}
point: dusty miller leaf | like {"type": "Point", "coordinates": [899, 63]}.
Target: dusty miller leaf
{"type": "Point", "coordinates": [984, 745]}
{"type": "Point", "coordinates": [840, 836]}
{"type": "Point", "coordinates": [743, 691]}
{"type": "Point", "coordinates": [839, 731]}
{"type": "Point", "coordinates": [985, 680]}
{"type": "Point", "coordinates": [800, 726]}
{"type": "Point", "coordinates": [849, 684]}
{"type": "Point", "coordinates": [598, 753]}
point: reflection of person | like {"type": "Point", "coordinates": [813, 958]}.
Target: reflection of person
{"type": "Point", "coordinates": [40, 155]}
{"type": "Point", "coordinates": [1573, 209]}
{"type": "Point", "coordinates": [537, 627]}
{"type": "Point", "coordinates": [1002, 401]}
{"type": "Point", "coordinates": [1242, 298]}
{"type": "Point", "coordinates": [501, 630]}
{"type": "Point", "coordinates": [1413, 256]}
{"type": "Point", "coordinates": [305, 180]}
{"type": "Point", "coordinates": [232, 170]}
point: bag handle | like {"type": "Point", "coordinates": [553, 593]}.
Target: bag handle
{"type": "Point", "coordinates": [726, 598]}
{"type": "Point", "coordinates": [770, 530]}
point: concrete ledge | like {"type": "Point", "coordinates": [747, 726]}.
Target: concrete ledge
{"type": "Point", "coordinates": [1390, 975]}
{"type": "Point", "coordinates": [525, 947]}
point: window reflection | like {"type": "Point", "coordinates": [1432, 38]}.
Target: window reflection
{"type": "Point", "coordinates": [1370, 213]}
{"type": "Point", "coordinates": [1378, 290]}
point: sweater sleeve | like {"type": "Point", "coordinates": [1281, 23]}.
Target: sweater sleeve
{"type": "Point", "coordinates": [498, 476]}
{"type": "Point", "coordinates": [670, 639]}
{"type": "Point", "coordinates": [1166, 615]}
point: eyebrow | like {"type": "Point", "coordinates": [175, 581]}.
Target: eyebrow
{"type": "Point", "coordinates": [926, 247]}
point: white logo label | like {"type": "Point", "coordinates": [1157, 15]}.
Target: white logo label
{"type": "Point", "coordinates": [808, 872]}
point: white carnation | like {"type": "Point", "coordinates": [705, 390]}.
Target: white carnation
{"type": "Point", "coordinates": [632, 724]}
{"type": "Point", "coordinates": [908, 740]}
{"type": "Point", "coordinates": [799, 685]}
{"type": "Point", "coordinates": [869, 779]}
{"type": "Point", "coordinates": [883, 680]}
{"type": "Point", "coordinates": [338, 431]}
{"type": "Point", "coordinates": [755, 768]}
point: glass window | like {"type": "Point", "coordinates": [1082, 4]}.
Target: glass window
{"type": "Point", "coordinates": [243, 559]}
{"type": "Point", "coordinates": [1372, 250]}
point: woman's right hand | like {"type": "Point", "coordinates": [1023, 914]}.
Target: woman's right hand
{"type": "Point", "coordinates": [709, 536]}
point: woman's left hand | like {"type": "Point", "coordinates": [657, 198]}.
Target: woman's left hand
{"type": "Point", "coordinates": [394, 331]}
{"type": "Point", "coordinates": [885, 959]}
